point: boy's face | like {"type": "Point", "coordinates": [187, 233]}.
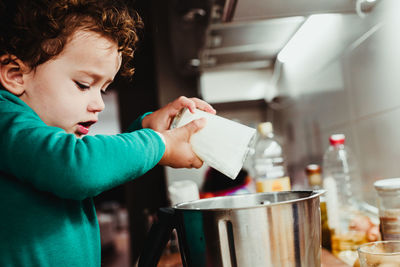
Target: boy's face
{"type": "Point", "coordinates": [66, 91]}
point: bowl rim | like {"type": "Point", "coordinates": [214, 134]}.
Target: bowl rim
{"type": "Point", "coordinates": [185, 206]}
{"type": "Point", "coordinates": [360, 248]}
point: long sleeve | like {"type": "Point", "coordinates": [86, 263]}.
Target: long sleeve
{"type": "Point", "coordinates": [137, 124]}
{"type": "Point", "coordinates": [54, 161]}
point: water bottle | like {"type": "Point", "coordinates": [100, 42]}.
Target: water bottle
{"type": "Point", "coordinates": [339, 171]}
{"type": "Point", "coordinates": [269, 169]}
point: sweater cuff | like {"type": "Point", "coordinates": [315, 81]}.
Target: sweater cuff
{"type": "Point", "coordinates": [137, 124]}
{"type": "Point", "coordinates": [162, 137]}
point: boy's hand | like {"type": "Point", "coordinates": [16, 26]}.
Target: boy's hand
{"type": "Point", "coordinates": [161, 119]}
{"type": "Point", "coordinates": [178, 150]}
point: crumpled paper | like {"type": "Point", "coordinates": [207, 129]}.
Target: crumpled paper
{"type": "Point", "coordinates": [222, 144]}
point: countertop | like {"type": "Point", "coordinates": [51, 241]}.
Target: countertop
{"type": "Point", "coordinates": [120, 256]}
{"type": "Point", "coordinates": [327, 260]}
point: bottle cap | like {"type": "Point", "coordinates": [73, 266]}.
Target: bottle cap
{"type": "Point", "coordinates": [313, 169]}
{"type": "Point", "coordinates": [265, 128]}
{"type": "Point", "coordinates": [392, 184]}
{"type": "Point", "coordinates": [337, 139]}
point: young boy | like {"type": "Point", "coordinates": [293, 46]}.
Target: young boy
{"type": "Point", "coordinates": [56, 58]}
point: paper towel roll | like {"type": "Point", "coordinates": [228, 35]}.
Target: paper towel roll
{"type": "Point", "coordinates": [223, 144]}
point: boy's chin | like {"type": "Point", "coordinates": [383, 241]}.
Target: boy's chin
{"type": "Point", "coordinates": [78, 135]}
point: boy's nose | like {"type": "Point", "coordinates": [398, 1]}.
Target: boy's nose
{"type": "Point", "coordinates": [96, 103]}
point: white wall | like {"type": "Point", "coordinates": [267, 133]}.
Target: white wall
{"type": "Point", "coordinates": [109, 118]}
{"type": "Point", "coordinates": [357, 92]}
{"type": "Point", "coordinates": [236, 85]}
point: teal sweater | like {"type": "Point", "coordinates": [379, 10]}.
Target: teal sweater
{"type": "Point", "coordinates": [48, 179]}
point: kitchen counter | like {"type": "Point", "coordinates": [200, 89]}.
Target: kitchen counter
{"type": "Point", "coordinates": [328, 260]}
{"type": "Point", "coordinates": [120, 256]}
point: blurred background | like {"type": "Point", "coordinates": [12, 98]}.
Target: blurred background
{"type": "Point", "coordinates": [310, 67]}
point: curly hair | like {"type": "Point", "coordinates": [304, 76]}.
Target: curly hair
{"type": "Point", "coordinates": [37, 30]}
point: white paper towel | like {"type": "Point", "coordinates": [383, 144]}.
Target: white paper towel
{"type": "Point", "coordinates": [183, 191]}
{"type": "Point", "coordinates": [222, 144]}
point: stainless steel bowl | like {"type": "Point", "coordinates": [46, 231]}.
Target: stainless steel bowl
{"type": "Point", "coordinates": [263, 229]}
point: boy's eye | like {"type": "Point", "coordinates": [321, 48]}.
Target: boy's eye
{"type": "Point", "coordinates": [103, 92]}
{"type": "Point", "coordinates": [82, 86]}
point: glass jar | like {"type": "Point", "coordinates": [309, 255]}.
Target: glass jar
{"type": "Point", "coordinates": [314, 175]}
{"type": "Point", "coordinates": [389, 207]}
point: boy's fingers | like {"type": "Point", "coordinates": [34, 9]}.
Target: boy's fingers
{"type": "Point", "coordinates": [203, 105]}
{"type": "Point", "coordinates": [196, 125]}
{"type": "Point", "coordinates": [192, 103]}
{"type": "Point", "coordinates": [183, 102]}
{"type": "Point", "coordinates": [197, 163]}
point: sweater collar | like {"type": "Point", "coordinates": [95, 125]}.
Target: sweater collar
{"type": "Point", "coordinates": [6, 95]}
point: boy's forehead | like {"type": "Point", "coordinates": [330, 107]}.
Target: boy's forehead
{"type": "Point", "coordinates": [91, 49]}
{"type": "Point", "coordinates": [101, 41]}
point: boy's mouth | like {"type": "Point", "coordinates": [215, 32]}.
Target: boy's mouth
{"type": "Point", "coordinates": [83, 127]}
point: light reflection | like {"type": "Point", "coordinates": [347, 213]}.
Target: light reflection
{"type": "Point", "coordinates": [310, 35]}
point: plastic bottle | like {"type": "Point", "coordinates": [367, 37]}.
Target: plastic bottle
{"type": "Point", "coordinates": [269, 169]}
{"type": "Point", "coordinates": [339, 169]}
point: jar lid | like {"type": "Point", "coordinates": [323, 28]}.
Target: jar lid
{"type": "Point", "coordinates": [387, 184]}
{"type": "Point", "coordinates": [313, 169]}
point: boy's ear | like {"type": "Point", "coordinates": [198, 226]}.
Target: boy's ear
{"type": "Point", "coordinates": [12, 74]}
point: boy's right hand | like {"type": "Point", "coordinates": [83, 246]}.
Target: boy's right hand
{"type": "Point", "coordinates": [178, 150]}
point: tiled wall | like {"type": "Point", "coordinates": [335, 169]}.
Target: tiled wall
{"type": "Point", "coordinates": [363, 102]}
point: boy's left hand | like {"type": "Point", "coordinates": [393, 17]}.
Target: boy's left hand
{"type": "Point", "coordinates": [161, 119]}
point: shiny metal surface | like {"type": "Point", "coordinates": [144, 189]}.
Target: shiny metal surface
{"type": "Point", "coordinates": [264, 229]}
